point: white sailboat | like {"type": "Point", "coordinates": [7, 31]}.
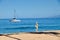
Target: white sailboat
{"type": "Point", "coordinates": [14, 18]}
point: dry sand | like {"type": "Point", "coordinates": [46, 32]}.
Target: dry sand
{"type": "Point", "coordinates": [46, 35]}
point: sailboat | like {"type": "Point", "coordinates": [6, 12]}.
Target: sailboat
{"type": "Point", "coordinates": [14, 18]}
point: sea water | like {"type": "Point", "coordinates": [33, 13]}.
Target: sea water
{"type": "Point", "coordinates": [28, 25]}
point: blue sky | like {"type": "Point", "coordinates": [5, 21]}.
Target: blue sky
{"type": "Point", "coordinates": [29, 8]}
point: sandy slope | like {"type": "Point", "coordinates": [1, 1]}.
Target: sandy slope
{"type": "Point", "coordinates": [32, 36]}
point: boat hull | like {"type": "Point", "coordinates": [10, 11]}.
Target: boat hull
{"type": "Point", "coordinates": [15, 20]}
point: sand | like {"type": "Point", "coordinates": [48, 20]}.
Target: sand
{"type": "Point", "coordinates": [46, 35]}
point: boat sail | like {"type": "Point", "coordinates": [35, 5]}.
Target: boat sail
{"type": "Point", "coordinates": [14, 18]}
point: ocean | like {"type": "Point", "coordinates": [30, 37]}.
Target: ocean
{"type": "Point", "coordinates": [28, 25]}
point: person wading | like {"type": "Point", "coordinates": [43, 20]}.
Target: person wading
{"type": "Point", "coordinates": [36, 26]}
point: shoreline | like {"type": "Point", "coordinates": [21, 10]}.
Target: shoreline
{"type": "Point", "coordinates": [34, 32]}
{"type": "Point", "coordinates": [45, 35]}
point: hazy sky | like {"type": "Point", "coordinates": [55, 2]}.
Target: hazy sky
{"type": "Point", "coordinates": [29, 8]}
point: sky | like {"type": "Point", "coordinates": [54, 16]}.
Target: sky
{"type": "Point", "coordinates": [29, 8]}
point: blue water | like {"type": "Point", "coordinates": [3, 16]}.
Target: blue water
{"type": "Point", "coordinates": [28, 25]}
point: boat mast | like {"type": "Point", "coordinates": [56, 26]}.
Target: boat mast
{"type": "Point", "coordinates": [14, 13]}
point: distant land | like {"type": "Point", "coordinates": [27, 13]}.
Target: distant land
{"type": "Point", "coordinates": [56, 16]}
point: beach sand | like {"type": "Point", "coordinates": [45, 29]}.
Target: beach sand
{"type": "Point", "coordinates": [46, 35]}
